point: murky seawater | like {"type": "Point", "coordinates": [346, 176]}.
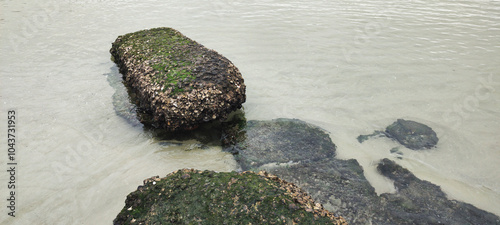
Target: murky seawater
{"type": "Point", "coordinates": [350, 67]}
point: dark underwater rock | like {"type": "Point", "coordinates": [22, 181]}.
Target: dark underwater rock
{"type": "Point", "coordinates": [177, 81]}
{"type": "Point", "coordinates": [421, 202]}
{"type": "Point", "coordinates": [280, 141]}
{"type": "Point", "coordinates": [205, 197]}
{"type": "Point", "coordinates": [377, 133]}
{"type": "Point", "coordinates": [340, 185]}
{"type": "Point", "coordinates": [122, 101]}
{"type": "Point", "coordinates": [412, 134]}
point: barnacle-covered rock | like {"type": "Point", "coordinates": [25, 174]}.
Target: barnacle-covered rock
{"type": "Point", "coordinates": [206, 197]}
{"type": "Point", "coordinates": [176, 80]}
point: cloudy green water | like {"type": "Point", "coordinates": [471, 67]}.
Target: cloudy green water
{"type": "Point", "coordinates": [349, 66]}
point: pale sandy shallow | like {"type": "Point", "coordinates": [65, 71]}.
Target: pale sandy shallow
{"type": "Point", "coordinates": [350, 67]}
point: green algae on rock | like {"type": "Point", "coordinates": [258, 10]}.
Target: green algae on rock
{"type": "Point", "coordinates": [205, 197]}
{"type": "Point", "coordinates": [178, 81]}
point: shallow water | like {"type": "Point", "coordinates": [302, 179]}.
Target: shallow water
{"type": "Point", "coordinates": [350, 67]}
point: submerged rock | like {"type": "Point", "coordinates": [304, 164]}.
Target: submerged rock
{"type": "Point", "coordinates": [377, 133]}
{"type": "Point", "coordinates": [280, 141]}
{"type": "Point", "coordinates": [421, 202]}
{"type": "Point", "coordinates": [411, 134]}
{"type": "Point", "coordinates": [122, 101]}
{"type": "Point", "coordinates": [177, 81]}
{"type": "Point", "coordinates": [340, 185]}
{"type": "Point", "coordinates": [207, 197]}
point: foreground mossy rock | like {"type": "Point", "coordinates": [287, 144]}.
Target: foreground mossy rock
{"type": "Point", "coordinates": [411, 134]}
{"type": "Point", "coordinates": [177, 81]}
{"type": "Point", "coordinates": [340, 185]}
{"type": "Point", "coordinates": [205, 197]}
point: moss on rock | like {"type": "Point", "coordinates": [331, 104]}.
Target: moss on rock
{"type": "Point", "coordinates": [178, 81]}
{"type": "Point", "coordinates": [205, 197]}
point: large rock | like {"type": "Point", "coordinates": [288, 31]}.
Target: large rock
{"type": "Point", "coordinates": [340, 185]}
{"type": "Point", "coordinates": [177, 81]}
{"type": "Point", "coordinates": [205, 197]}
